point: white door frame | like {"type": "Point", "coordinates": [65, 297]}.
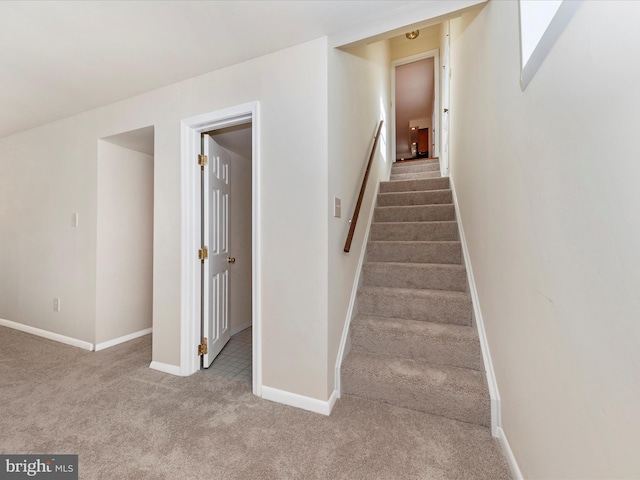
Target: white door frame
{"type": "Point", "coordinates": [436, 96]}
{"type": "Point", "coordinates": [446, 103]}
{"type": "Point", "coordinates": [191, 128]}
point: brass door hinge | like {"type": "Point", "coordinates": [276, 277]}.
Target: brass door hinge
{"type": "Point", "coordinates": [203, 348]}
{"type": "Point", "coordinates": [203, 254]}
{"type": "Point", "coordinates": [203, 160]}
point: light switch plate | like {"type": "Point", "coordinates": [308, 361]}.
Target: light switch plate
{"type": "Point", "coordinates": [337, 207]}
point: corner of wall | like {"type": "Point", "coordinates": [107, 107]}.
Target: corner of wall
{"type": "Point", "coordinates": [484, 343]}
{"type": "Point", "coordinates": [352, 310]}
{"type": "Point", "coordinates": [516, 474]}
{"type": "Point", "coordinates": [322, 407]}
{"type": "Point", "coordinates": [358, 99]}
{"type": "Point", "coordinates": [170, 369]}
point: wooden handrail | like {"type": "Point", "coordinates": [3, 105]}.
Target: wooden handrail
{"type": "Point", "coordinates": [356, 211]}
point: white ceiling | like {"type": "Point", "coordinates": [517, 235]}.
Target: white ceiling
{"type": "Point", "coordinates": [59, 58]}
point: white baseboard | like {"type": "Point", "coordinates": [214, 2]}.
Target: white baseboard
{"type": "Point", "coordinates": [47, 334]}
{"type": "Point", "coordinates": [124, 338]}
{"type": "Point", "coordinates": [494, 394]}
{"type": "Point", "coordinates": [240, 328]}
{"type": "Point", "coordinates": [516, 474]}
{"type": "Point", "coordinates": [166, 368]}
{"type": "Point", "coordinates": [300, 401]}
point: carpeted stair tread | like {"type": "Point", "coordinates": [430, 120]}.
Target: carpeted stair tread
{"type": "Point", "coordinates": [427, 276]}
{"type": "Point", "coordinates": [429, 197]}
{"type": "Point", "coordinates": [438, 306]}
{"type": "Point", "coordinates": [414, 175]}
{"type": "Point", "coordinates": [415, 251]}
{"type": "Point", "coordinates": [418, 185]}
{"type": "Point", "coordinates": [415, 213]}
{"type": "Point", "coordinates": [416, 161]}
{"type": "Point", "coordinates": [432, 167]}
{"type": "Point", "coordinates": [425, 231]}
{"type": "Point", "coordinates": [452, 392]}
{"type": "Point", "coordinates": [418, 167]}
{"type": "Point", "coordinates": [438, 343]}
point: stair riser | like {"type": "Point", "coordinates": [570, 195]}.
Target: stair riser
{"type": "Point", "coordinates": [433, 277]}
{"type": "Point", "coordinates": [428, 231]}
{"type": "Point", "coordinates": [422, 161]}
{"type": "Point", "coordinates": [425, 167]}
{"type": "Point", "coordinates": [418, 252]}
{"type": "Point", "coordinates": [415, 198]}
{"type": "Point", "coordinates": [411, 176]}
{"type": "Point", "coordinates": [416, 305]}
{"type": "Point", "coordinates": [422, 213]}
{"type": "Point", "coordinates": [415, 185]}
{"type": "Point", "coordinates": [402, 341]}
{"type": "Point", "coordinates": [430, 390]}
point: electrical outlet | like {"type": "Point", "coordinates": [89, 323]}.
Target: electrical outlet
{"type": "Point", "coordinates": [56, 304]}
{"type": "Point", "coordinates": [74, 220]}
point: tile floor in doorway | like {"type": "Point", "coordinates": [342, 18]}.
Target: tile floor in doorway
{"type": "Point", "coordinates": [234, 361]}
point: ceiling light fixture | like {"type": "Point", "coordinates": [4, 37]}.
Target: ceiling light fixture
{"type": "Point", "coordinates": [412, 35]}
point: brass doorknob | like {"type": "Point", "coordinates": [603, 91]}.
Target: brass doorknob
{"type": "Point", "coordinates": [231, 260]}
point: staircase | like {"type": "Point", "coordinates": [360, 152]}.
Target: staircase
{"type": "Point", "coordinates": [413, 343]}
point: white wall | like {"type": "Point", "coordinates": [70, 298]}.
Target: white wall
{"type": "Point", "coordinates": [45, 177]}
{"type": "Point", "coordinates": [359, 85]}
{"type": "Point", "coordinates": [124, 250]}
{"type": "Point", "coordinates": [547, 182]}
{"type": "Point", "coordinates": [49, 172]}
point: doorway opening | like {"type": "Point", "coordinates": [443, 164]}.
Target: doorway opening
{"type": "Point", "coordinates": [124, 238]}
{"type": "Point", "coordinates": [226, 314]}
{"type": "Point", "coordinates": [223, 127]}
{"type": "Point", "coordinates": [415, 116]}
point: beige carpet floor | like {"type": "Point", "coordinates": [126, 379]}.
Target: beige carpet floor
{"type": "Point", "coordinates": [126, 421]}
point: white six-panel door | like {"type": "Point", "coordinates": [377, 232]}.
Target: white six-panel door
{"type": "Point", "coordinates": [216, 198]}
